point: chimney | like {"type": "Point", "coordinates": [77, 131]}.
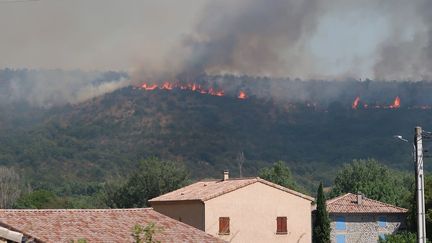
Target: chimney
{"type": "Point", "coordinates": [359, 198]}
{"type": "Point", "coordinates": [226, 175]}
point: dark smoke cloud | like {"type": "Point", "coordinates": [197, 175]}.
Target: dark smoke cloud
{"type": "Point", "coordinates": [269, 38]}
{"type": "Point", "coordinates": [251, 37]}
{"type": "Point", "coordinates": [407, 58]}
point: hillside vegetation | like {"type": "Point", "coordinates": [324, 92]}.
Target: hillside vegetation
{"type": "Point", "coordinates": [105, 137]}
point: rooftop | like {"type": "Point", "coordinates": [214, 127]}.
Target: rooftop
{"type": "Point", "coordinates": [348, 203]}
{"type": "Point", "coordinates": [98, 225]}
{"type": "Point", "coordinates": [206, 190]}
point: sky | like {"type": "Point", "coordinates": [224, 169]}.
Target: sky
{"type": "Point", "coordinates": [336, 39]}
{"type": "Point", "coordinates": [91, 34]}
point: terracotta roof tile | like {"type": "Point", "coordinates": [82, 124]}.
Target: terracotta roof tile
{"type": "Point", "coordinates": [348, 204]}
{"type": "Point", "coordinates": [98, 225]}
{"type": "Point", "coordinates": [206, 190]}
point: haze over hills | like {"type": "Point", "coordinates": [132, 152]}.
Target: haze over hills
{"type": "Point", "coordinates": [90, 141]}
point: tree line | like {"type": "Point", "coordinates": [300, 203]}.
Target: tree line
{"type": "Point", "coordinates": [154, 177]}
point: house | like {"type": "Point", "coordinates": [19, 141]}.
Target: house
{"type": "Point", "coordinates": [355, 218]}
{"type": "Point", "coordinates": [241, 210]}
{"type": "Point", "coordinates": [93, 225]}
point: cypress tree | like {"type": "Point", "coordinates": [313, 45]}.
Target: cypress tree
{"type": "Point", "coordinates": [321, 231]}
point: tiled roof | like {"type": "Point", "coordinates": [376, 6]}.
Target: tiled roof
{"type": "Point", "coordinates": [98, 225]}
{"type": "Point", "coordinates": [206, 190]}
{"type": "Point", "coordinates": [348, 204]}
{"type": "Point", "coordinates": [4, 226]}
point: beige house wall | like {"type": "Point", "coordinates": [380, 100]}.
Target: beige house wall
{"type": "Point", "coordinates": [253, 211]}
{"type": "Point", "coordinates": [189, 212]}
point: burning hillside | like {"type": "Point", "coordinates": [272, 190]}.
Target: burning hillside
{"type": "Point", "coordinates": [167, 85]}
{"type": "Point", "coordinates": [313, 94]}
{"type": "Point", "coordinates": [357, 103]}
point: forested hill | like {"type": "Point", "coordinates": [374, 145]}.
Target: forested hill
{"type": "Point", "coordinates": [108, 135]}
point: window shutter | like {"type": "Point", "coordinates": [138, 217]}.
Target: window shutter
{"type": "Point", "coordinates": [340, 223]}
{"type": "Point", "coordinates": [382, 221]}
{"type": "Point", "coordinates": [224, 225]}
{"type": "Point", "coordinates": [281, 226]}
{"type": "Point", "coordinates": [284, 224]}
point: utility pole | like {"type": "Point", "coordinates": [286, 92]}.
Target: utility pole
{"type": "Point", "coordinates": [421, 224]}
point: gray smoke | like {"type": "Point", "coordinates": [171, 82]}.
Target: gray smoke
{"type": "Point", "coordinates": [251, 37]}
{"type": "Point", "coordinates": [407, 56]}
{"type": "Point", "coordinates": [47, 88]}
{"type": "Point", "coordinates": [269, 38]}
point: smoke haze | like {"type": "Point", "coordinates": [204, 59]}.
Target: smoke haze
{"type": "Point", "coordinates": [47, 88]}
{"type": "Point", "coordinates": [168, 39]}
{"type": "Point", "coordinates": [272, 38]}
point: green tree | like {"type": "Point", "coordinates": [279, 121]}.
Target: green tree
{"type": "Point", "coordinates": [321, 230]}
{"type": "Point", "coordinates": [145, 234]}
{"type": "Point", "coordinates": [42, 199]}
{"type": "Point", "coordinates": [412, 216]}
{"type": "Point", "coordinates": [153, 178]}
{"type": "Point", "coordinates": [428, 206]}
{"type": "Point", "coordinates": [280, 174]}
{"type": "Point", "coordinates": [78, 241]}
{"type": "Point", "coordinates": [401, 237]}
{"type": "Point", "coordinates": [373, 179]}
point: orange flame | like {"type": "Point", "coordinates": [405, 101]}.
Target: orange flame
{"type": "Point", "coordinates": [149, 87]}
{"type": "Point", "coordinates": [189, 86]}
{"type": "Point", "coordinates": [356, 102]}
{"type": "Point", "coordinates": [167, 85]}
{"type": "Point", "coordinates": [396, 103]}
{"type": "Point", "coordinates": [214, 92]}
{"type": "Point", "coordinates": [242, 95]}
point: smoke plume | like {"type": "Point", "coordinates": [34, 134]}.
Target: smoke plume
{"type": "Point", "coordinates": [271, 38]}
{"type": "Point", "coordinates": [47, 88]}
{"type": "Point", "coordinates": [407, 53]}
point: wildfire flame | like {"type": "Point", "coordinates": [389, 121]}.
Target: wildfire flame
{"type": "Point", "coordinates": [242, 95]}
{"type": "Point", "coordinates": [396, 103]}
{"type": "Point", "coordinates": [149, 87]}
{"type": "Point", "coordinates": [356, 103]}
{"type": "Point", "coordinates": [166, 85]}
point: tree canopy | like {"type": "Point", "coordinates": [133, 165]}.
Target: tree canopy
{"type": "Point", "coordinates": [280, 174]}
{"type": "Point", "coordinates": [321, 230]}
{"type": "Point", "coordinates": [42, 199]}
{"type": "Point", "coordinates": [152, 178]}
{"type": "Point", "coordinates": [373, 179]}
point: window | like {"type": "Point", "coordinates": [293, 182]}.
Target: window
{"type": "Point", "coordinates": [224, 225]}
{"type": "Point", "coordinates": [340, 239]}
{"type": "Point", "coordinates": [340, 223]}
{"type": "Point", "coordinates": [382, 221]}
{"type": "Point", "coordinates": [281, 225]}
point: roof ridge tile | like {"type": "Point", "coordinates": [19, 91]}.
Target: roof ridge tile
{"type": "Point", "coordinates": [206, 190]}
{"type": "Point", "coordinates": [347, 203]}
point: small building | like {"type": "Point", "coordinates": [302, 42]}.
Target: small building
{"type": "Point", "coordinates": [93, 225]}
{"type": "Point", "coordinates": [355, 218]}
{"type": "Point", "coordinates": [241, 210]}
